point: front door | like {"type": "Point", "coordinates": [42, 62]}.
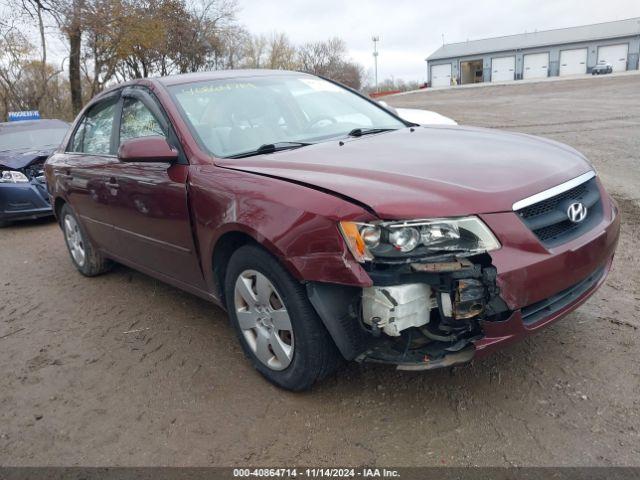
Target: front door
{"type": "Point", "coordinates": [148, 202]}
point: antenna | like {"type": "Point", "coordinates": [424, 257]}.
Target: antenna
{"type": "Point", "coordinates": [375, 40]}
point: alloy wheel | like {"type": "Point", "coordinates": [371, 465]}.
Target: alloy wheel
{"type": "Point", "coordinates": [264, 320]}
{"type": "Point", "coordinates": [73, 236]}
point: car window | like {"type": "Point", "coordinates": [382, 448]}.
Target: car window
{"type": "Point", "coordinates": [93, 136]}
{"type": "Point", "coordinates": [138, 121]}
{"type": "Point", "coordinates": [35, 138]}
{"type": "Point", "coordinates": [238, 115]}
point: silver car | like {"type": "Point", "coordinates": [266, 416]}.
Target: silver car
{"type": "Point", "coordinates": [602, 67]}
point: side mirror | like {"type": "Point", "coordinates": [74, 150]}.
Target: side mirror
{"type": "Point", "coordinates": [147, 149]}
{"type": "Point", "coordinates": [386, 106]}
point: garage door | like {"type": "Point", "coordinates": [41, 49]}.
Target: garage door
{"type": "Point", "coordinates": [503, 69]}
{"type": "Point", "coordinates": [536, 65]}
{"type": "Point", "coordinates": [616, 55]}
{"type": "Point", "coordinates": [573, 62]}
{"type": "Point", "coordinates": [441, 75]}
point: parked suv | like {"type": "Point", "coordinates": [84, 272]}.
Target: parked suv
{"type": "Point", "coordinates": [328, 227]}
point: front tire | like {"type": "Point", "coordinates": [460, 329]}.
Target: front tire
{"type": "Point", "coordinates": [279, 330]}
{"type": "Point", "coordinates": [84, 256]}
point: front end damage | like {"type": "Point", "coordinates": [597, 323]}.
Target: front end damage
{"type": "Point", "coordinates": [23, 190]}
{"type": "Point", "coordinates": [417, 316]}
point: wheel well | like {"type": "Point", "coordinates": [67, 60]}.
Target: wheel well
{"type": "Point", "coordinates": [57, 207]}
{"type": "Point", "coordinates": [225, 246]}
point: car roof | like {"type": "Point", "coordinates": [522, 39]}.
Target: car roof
{"type": "Point", "coordinates": [23, 125]}
{"type": "Point", "coordinates": [221, 75]}
{"type": "Point", "coordinates": [183, 78]}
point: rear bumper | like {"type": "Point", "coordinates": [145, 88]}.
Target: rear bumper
{"type": "Point", "coordinates": [23, 201]}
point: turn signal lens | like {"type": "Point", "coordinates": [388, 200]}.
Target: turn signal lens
{"type": "Point", "coordinates": [354, 240]}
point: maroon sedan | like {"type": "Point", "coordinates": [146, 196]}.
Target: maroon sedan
{"type": "Point", "coordinates": [328, 227]}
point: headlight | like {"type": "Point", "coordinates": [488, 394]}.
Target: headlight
{"type": "Point", "coordinates": [418, 238]}
{"type": "Point", "coordinates": [11, 176]}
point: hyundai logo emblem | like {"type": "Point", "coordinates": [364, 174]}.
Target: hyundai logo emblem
{"type": "Point", "coordinates": [577, 212]}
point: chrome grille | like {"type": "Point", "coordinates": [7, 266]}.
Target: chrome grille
{"type": "Point", "coordinates": [548, 218]}
{"type": "Point", "coordinates": [550, 204]}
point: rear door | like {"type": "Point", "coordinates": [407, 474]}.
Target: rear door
{"type": "Point", "coordinates": [536, 65]}
{"type": "Point", "coordinates": [149, 206]}
{"type": "Point", "coordinates": [81, 170]}
{"type": "Point", "coordinates": [573, 62]}
{"type": "Point", "coordinates": [503, 69]}
{"type": "Point", "coordinates": [441, 75]}
{"type": "Point", "coordinates": [616, 55]}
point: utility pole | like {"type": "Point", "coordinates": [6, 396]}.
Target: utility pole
{"type": "Point", "coordinates": [375, 39]}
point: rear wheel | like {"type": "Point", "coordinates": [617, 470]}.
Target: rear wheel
{"type": "Point", "coordinates": [278, 329]}
{"type": "Point", "coordinates": [84, 255]}
{"type": "Point", "coordinates": [4, 223]}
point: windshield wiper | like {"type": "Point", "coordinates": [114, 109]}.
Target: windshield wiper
{"type": "Point", "coordinates": [271, 148]}
{"type": "Point", "coordinates": [358, 132]}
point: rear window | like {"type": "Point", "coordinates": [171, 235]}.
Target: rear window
{"type": "Point", "coordinates": [35, 139]}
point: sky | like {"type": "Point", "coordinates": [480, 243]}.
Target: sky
{"type": "Point", "coordinates": [410, 31]}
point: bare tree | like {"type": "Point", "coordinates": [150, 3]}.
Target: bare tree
{"type": "Point", "coordinates": [255, 51]}
{"type": "Point", "coordinates": [36, 11]}
{"type": "Point", "coordinates": [21, 78]}
{"type": "Point", "coordinates": [117, 40]}
{"type": "Point", "coordinates": [329, 59]}
{"type": "Point", "coordinates": [281, 53]}
{"type": "Point", "coordinates": [15, 51]}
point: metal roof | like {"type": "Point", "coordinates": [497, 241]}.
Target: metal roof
{"type": "Point", "coordinates": [598, 31]}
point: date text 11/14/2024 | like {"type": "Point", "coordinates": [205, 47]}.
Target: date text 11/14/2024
{"type": "Point", "coordinates": [315, 473]}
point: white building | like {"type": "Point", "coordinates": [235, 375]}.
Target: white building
{"type": "Point", "coordinates": [565, 51]}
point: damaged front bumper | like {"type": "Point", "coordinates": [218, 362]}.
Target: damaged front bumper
{"type": "Point", "coordinates": [415, 316]}
{"type": "Point", "coordinates": [433, 315]}
{"type": "Point", "coordinates": [24, 201]}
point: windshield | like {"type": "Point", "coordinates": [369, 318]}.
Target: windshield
{"type": "Point", "coordinates": [238, 115]}
{"type": "Point", "coordinates": [33, 139]}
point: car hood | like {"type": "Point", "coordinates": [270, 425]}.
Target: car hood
{"type": "Point", "coordinates": [428, 172]}
{"type": "Point", "coordinates": [16, 159]}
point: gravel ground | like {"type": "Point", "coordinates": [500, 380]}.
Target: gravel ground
{"type": "Point", "coordinates": [124, 370]}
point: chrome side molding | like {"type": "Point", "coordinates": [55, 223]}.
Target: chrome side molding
{"type": "Point", "coordinates": [552, 192]}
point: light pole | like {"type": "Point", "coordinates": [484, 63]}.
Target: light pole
{"type": "Point", "coordinates": [375, 39]}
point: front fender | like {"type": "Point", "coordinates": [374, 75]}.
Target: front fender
{"type": "Point", "coordinates": [297, 224]}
